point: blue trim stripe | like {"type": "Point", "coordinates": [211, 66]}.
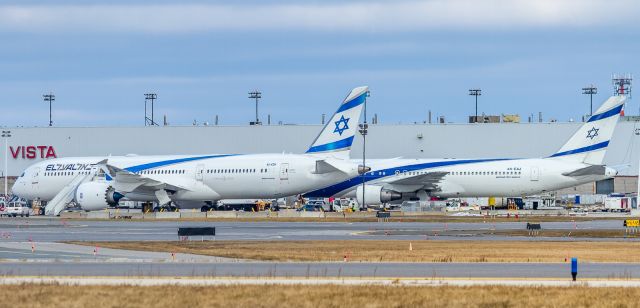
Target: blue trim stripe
{"type": "Point", "coordinates": [606, 114]}
{"type": "Point", "coordinates": [378, 174]}
{"type": "Point", "coordinates": [163, 163]}
{"type": "Point", "coordinates": [594, 147]}
{"type": "Point", "coordinates": [332, 146]}
{"type": "Point", "coordinates": [356, 101]}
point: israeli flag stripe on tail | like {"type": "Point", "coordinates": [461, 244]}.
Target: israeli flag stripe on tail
{"type": "Point", "coordinates": [338, 134]}
{"type": "Point", "coordinates": [589, 144]}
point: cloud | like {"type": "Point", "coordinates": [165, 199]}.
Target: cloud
{"type": "Point", "coordinates": [382, 16]}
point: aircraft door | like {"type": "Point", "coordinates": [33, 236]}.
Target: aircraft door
{"type": "Point", "coordinates": [35, 177]}
{"type": "Point", "coordinates": [535, 173]}
{"type": "Point", "coordinates": [199, 172]}
{"type": "Point", "coordinates": [284, 172]}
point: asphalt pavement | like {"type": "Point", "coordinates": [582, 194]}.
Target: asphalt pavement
{"type": "Point", "coordinates": [33, 247]}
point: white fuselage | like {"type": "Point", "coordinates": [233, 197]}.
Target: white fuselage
{"type": "Point", "coordinates": [469, 177]}
{"type": "Point", "coordinates": [260, 176]}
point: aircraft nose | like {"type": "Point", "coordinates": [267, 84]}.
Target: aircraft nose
{"type": "Point", "coordinates": [18, 187]}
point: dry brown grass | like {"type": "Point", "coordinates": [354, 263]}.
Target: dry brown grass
{"type": "Point", "coordinates": [395, 250]}
{"type": "Point", "coordinates": [37, 296]}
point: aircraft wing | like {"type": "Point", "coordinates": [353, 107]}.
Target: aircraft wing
{"type": "Point", "coordinates": [428, 181]}
{"type": "Point", "coordinates": [127, 181]}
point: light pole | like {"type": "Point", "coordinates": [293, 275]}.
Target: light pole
{"type": "Point", "coordinates": [590, 90]}
{"type": "Point", "coordinates": [364, 127]}
{"type": "Point", "coordinates": [152, 97]}
{"type": "Point", "coordinates": [256, 95]}
{"type": "Point", "coordinates": [476, 93]}
{"type": "Point", "coordinates": [6, 134]}
{"type": "Point", "coordinates": [49, 98]}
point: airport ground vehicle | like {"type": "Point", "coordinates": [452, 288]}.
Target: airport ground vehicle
{"type": "Point", "coordinates": [17, 208]}
{"type": "Point", "coordinates": [311, 207]}
{"type": "Point", "coordinates": [344, 205]}
{"type": "Point", "coordinates": [617, 203]}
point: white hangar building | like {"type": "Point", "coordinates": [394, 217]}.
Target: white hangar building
{"type": "Point", "coordinates": [481, 140]}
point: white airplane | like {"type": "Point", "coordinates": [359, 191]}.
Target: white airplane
{"type": "Point", "coordinates": [579, 161]}
{"type": "Point", "coordinates": [189, 181]}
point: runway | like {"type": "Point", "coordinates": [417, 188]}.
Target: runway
{"type": "Point", "coordinates": [32, 248]}
{"type": "Point", "coordinates": [319, 270]}
{"type": "Point", "coordinates": [56, 230]}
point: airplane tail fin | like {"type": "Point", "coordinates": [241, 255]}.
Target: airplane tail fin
{"type": "Point", "coordinates": [589, 144]}
{"type": "Point", "coordinates": [337, 135]}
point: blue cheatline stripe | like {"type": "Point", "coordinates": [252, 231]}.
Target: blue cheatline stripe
{"type": "Point", "coordinates": [377, 174]}
{"type": "Point", "coordinates": [358, 100]}
{"type": "Point", "coordinates": [332, 146]}
{"type": "Point", "coordinates": [163, 163]}
{"type": "Point", "coordinates": [594, 147]}
{"type": "Point", "coordinates": [605, 114]}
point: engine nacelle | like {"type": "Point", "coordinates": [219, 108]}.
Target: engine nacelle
{"type": "Point", "coordinates": [376, 195]}
{"type": "Point", "coordinates": [93, 196]}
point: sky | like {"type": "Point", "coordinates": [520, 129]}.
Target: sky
{"type": "Point", "coordinates": [202, 58]}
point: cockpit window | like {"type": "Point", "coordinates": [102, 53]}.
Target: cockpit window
{"type": "Point", "coordinates": [22, 174]}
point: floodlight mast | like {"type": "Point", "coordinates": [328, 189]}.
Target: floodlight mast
{"type": "Point", "coordinates": [476, 93]}
{"type": "Point", "coordinates": [6, 134]}
{"type": "Point", "coordinates": [152, 97]}
{"type": "Point", "coordinates": [49, 98]}
{"type": "Point", "coordinates": [590, 90]}
{"type": "Point", "coordinates": [257, 95]}
{"type": "Point", "coordinates": [364, 130]}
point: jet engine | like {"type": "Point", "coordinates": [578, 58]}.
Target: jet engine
{"type": "Point", "coordinates": [376, 195]}
{"type": "Point", "coordinates": [93, 196]}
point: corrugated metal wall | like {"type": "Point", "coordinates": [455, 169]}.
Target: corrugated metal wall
{"type": "Point", "coordinates": [384, 141]}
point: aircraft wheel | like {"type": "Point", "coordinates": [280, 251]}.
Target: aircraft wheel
{"type": "Point", "coordinates": [204, 208]}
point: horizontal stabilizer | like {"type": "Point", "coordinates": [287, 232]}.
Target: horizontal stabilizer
{"type": "Point", "coordinates": [335, 165]}
{"type": "Point", "coordinates": [587, 171]}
